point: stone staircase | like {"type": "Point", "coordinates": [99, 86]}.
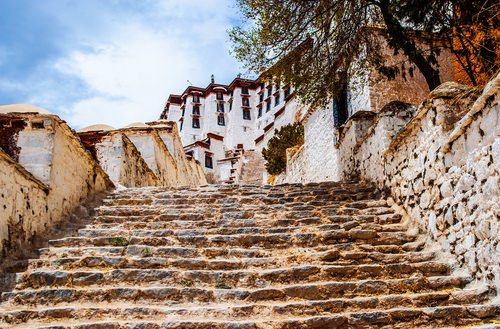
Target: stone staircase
{"type": "Point", "coordinates": [253, 167]}
{"type": "Point", "coordinates": [328, 255]}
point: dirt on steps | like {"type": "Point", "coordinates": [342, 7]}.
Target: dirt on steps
{"type": "Point", "coordinates": [327, 255]}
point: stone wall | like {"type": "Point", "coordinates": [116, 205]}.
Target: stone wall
{"type": "Point", "coordinates": [445, 173]}
{"type": "Point", "coordinates": [52, 160]}
{"type": "Point", "coordinates": [439, 162]}
{"type": "Point", "coordinates": [354, 130]}
{"type": "Point", "coordinates": [75, 176]}
{"type": "Point", "coordinates": [366, 154]}
{"type": "Point", "coordinates": [143, 155]}
{"type": "Point", "coordinates": [23, 206]}
{"type": "Point", "coordinates": [316, 160]}
{"type": "Point", "coordinates": [120, 159]}
{"type": "Point", "coordinates": [171, 138]}
{"type": "Point", "coordinates": [134, 171]}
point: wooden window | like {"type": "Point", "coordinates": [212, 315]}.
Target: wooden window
{"type": "Point", "coordinates": [221, 121]}
{"type": "Point", "coordinates": [196, 122]}
{"type": "Point", "coordinates": [209, 161]}
{"type": "Point", "coordinates": [246, 114]}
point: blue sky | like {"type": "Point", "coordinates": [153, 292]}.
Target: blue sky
{"type": "Point", "coordinates": [111, 61]}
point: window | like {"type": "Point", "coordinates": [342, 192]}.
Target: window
{"type": "Point", "coordinates": [182, 124]}
{"type": "Point", "coordinates": [220, 96]}
{"type": "Point", "coordinates": [208, 161]}
{"type": "Point", "coordinates": [244, 91]}
{"type": "Point", "coordinates": [268, 106]}
{"type": "Point", "coordinates": [221, 120]}
{"type": "Point", "coordinates": [196, 98]}
{"type": "Point", "coordinates": [230, 106]}
{"type": "Point", "coordinates": [341, 108]}
{"type": "Point", "coordinates": [287, 91]}
{"type": "Point", "coordinates": [183, 111]}
{"type": "Point", "coordinates": [269, 90]}
{"type": "Point", "coordinates": [220, 107]}
{"type": "Point", "coordinates": [196, 110]}
{"type": "Point", "coordinates": [246, 114]}
{"type": "Point", "coordinates": [261, 98]}
{"type": "Point", "coordinates": [260, 112]}
{"type": "Point", "coordinates": [245, 101]}
{"type": "Point", "coordinates": [196, 122]}
{"type": "Point", "coordinates": [276, 99]}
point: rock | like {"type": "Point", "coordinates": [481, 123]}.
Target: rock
{"type": "Point", "coordinates": [465, 183]}
{"type": "Point", "coordinates": [446, 189]}
{"type": "Point", "coordinates": [432, 225]}
{"type": "Point", "coordinates": [470, 261]}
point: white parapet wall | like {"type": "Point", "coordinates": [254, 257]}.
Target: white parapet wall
{"type": "Point", "coordinates": [142, 155]}
{"type": "Point", "coordinates": [46, 174]}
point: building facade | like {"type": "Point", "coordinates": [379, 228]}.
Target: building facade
{"type": "Point", "coordinates": [219, 123]}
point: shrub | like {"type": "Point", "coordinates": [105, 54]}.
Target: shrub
{"type": "Point", "coordinates": [275, 154]}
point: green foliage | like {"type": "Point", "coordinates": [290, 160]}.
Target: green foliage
{"type": "Point", "coordinates": [317, 45]}
{"type": "Point", "coordinates": [275, 154]}
{"type": "Point", "coordinates": [119, 242]}
{"type": "Point", "coordinates": [221, 284]}
{"type": "Point", "coordinates": [146, 252]}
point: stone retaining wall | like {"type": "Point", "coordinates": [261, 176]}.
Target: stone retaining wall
{"type": "Point", "coordinates": [440, 163]}
{"type": "Point", "coordinates": [54, 176]}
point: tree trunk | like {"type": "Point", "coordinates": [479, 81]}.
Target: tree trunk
{"type": "Point", "coordinates": [398, 38]}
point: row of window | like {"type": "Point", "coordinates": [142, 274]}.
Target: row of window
{"type": "Point", "coordinates": [244, 91]}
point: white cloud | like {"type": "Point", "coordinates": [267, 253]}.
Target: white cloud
{"type": "Point", "coordinates": [132, 69]}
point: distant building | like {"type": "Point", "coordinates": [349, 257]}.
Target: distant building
{"type": "Point", "coordinates": [219, 123]}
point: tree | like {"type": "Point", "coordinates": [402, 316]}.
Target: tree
{"type": "Point", "coordinates": [314, 44]}
{"type": "Point", "coordinates": [275, 154]}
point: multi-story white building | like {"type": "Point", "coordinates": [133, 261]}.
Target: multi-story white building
{"type": "Point", "coordinates": [220, 122]}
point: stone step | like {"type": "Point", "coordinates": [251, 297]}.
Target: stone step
{"type": "Point", "coordinates": [97, 231]}
{"type": "Point", "coordinates": [222, 292]}
{"type": "Point", "coordinates": [240, 311]}
{"type": "Point", "coordinates": [262, 204]}
{"type": "Point", "coordinates": [68, 256]}
{"type": "Point", "coordinates": [396, 317]}
{"type": "Point", "coordinates": [204, 221]}
{"type": "Point", "coordinates": [275, 240]}
{"type": "Point", "coordinates": [201, 273]}
{"type": "Point", "coordinates": [237, 210]}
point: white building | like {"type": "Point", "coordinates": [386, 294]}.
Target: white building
{"type": "Point", "coordinates": [219, 123]}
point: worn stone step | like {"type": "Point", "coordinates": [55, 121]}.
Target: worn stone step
{"type": "Point", "coordinates": [289, 209]}
{"type": "Point", "coordinates": [57, 257]}
{"type": "Point", "coordinates": [241, 311]}
{"type": "Point", "coordinates": [313, 291]}
{"type": "Point", "coordinates": [200, 220]}
{"type": "Point", "coordinates": [402, 317]}
{"type": "Point", "coordinates": [202, 273]}
{"type": "Point", "coordinates": [159, 232]}
{"type": "Point", "coordinates": [239, 226]}
{"type": "Point", "coordinates": [275, 240]}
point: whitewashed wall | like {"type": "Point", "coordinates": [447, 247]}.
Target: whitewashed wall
{"type": "Point", "coordinates": [317, 160]}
